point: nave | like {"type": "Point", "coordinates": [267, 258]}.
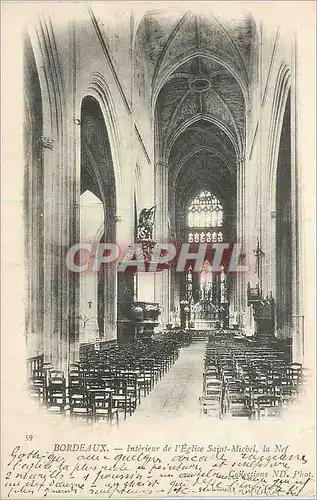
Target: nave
{"type": "Point", "coordinates": [172, 130]}
{"type": "Point", "coordinates": [224, 375]}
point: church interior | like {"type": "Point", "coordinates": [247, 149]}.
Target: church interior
{"type": "Point", "coordinates": [163, 125]}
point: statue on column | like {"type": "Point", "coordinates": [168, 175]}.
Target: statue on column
{"type": "Point", "coordinates": [146, 223]}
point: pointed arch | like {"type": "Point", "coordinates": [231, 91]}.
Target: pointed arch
{"type": "Point", "coordinates": [281, 93]}
{"type": "Point", "coordinates": [99, 90]}
{"type": "Point", "coordinates": [196, 151]}
{"type": "Point", "coordinates": [99, 175]}
{"type": "Point", "coordinates": [204, 53]}
{"type": "Point", "coordinates": [208, 118]}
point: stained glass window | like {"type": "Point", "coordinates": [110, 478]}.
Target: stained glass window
{"type": "Point", "coordinates": [205, 211]}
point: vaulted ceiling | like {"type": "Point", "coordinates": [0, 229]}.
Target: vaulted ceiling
{"type": "Point", "coordinates": [199, 67]}
{"type": "Point", "coordinates": [170, 37]}
{"type": "Point", "coordinates": [203, 155]}
{"type": "Point", "coordinates": [200, 88]}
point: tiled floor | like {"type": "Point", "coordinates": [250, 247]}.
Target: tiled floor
{"type": "Point", "coordinates": [177, 393]}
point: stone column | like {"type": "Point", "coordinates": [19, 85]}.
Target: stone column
{"type": "Point", "coordinates": [271, 250]}
{"type": "Point", "coordinates": [111, 281]}
{"type": "Point", "coordinates": [73, 194]}
{"type": "Point", "coordinates": [33, 192]}
{"type": "Point", "coordinates": [297, 291]}
{"type": "Point", "coordinates": [240, 295]}
{"type": "Point", "coordinates": [161, 279]}
{"type": "Point", "coordinates": [51, 250]}
{"type": "Point", "coordinates": [58, 144]}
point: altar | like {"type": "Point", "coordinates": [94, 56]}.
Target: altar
{"type": "Point", "coordinates": [205, 324]}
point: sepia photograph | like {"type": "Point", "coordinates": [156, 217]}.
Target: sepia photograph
{"type": "Point", "coordinates": [158, 249]}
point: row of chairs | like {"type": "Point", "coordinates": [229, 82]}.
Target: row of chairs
{"type": "Point", "coordinates": [250, 382]}
{"type": "Point", "coordinates": [107, 381]}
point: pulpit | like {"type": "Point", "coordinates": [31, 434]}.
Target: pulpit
{"type": "Point", "coordinates": [263, 312]}
{"type": "Point", "coordinates": [137, 319]}
{"type": "Point", "coordinates": [145, 318]}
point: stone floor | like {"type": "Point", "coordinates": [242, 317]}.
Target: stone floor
{"type": "Point", "coordinates": [177, 394]}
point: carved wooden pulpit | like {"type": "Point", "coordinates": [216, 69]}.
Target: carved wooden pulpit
{"type": "Point", "coordinates": [263, 312]}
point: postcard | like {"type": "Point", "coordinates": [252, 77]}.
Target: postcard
{"type": "Point", "coordinates": [158, 250]}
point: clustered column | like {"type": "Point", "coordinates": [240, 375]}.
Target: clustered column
{"type": "Point", "coordinates": [297, 292]}
{"type": "Point", "coordinates": [240, 295]}
{"type": "Point", "coordinates": [162, 279]}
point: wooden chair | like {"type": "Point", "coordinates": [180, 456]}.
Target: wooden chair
{"type": "Point", "coordinates": [145, 379]}
{"type": "Point", "coordinates": [37, 384]}
{"type": "Point", "coordinates": [288, 394]}
{"type": "Point", "coordinates": [240, 406]}
{"type": "Point", "coordinates": [132, 388]}
{"type": "Point", "coordinates": [267, 406]}
{"type": "Point", "coordinates": [79, 404]}
{"type": "Point", "coordinates": [101, 402]}
{"type": "Point", "coordinates": [213, 387]}
{"type": "Point", "coordinates": [211, 405]}
{"type": "Point", "coordinates": [56, 391]}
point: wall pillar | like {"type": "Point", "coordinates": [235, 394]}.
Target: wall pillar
{"type": "Point", "coordinates": [33, 206]}
{"type": "Point", "coordinates": [162, 279]}
{"type": "Point", "coordinates": [296, 236]}
{"type": "Point", "coordinates": [51, 253]}
{"type": "Point", "coordinates": [58, 191]}
{"type": "Point", "coordinates": [239, 297]}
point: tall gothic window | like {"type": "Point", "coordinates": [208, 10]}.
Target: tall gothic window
{"type": "Point", "coordinates": [205, 219]}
